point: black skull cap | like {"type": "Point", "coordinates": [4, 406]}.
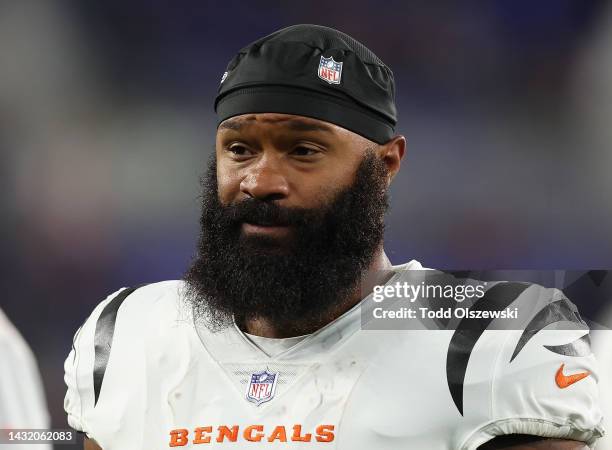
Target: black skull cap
{"type": "Point", "coordinates": [312, 71]}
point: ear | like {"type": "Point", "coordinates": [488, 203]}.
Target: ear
{"type": "Point", "coordinates": [392, 153]}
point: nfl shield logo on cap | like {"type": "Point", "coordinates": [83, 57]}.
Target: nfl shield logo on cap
{"type": "Point", "coordinates": [330, 70]}
{"type": "Point", "coordinates": [262, 387]}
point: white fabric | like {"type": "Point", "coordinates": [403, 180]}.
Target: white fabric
{"type": "Point", "coordinates": [274, 346]}
{"type": "Point", "coordinates": [22, 400]}
{"type": "Point", "coordinates": [383, 390]}
{"type": "Point", "coordinates": [602, 347]}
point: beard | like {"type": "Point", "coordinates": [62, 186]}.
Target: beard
{"type": "Point", "coordinates": [300, 281]}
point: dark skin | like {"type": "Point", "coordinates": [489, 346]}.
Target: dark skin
{"type": "Point", "coordinates": [293, 160]}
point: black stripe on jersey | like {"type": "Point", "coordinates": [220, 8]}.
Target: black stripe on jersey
{"type": "Point", "coordinates": [103, 340]}
{"type": "Point", "coordinates": [579, 347]}
{"type": "Point", "coordinates": [469, 331]}
{"type": "Point", "coordinates": [559, 311]}
{"type": "Point", "coordinates": [74, 339]}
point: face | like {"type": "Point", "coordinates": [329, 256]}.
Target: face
{"type": "Point", "coordinates": [292, 215]}
{"type": "Point", "coordinates": [292, 160]}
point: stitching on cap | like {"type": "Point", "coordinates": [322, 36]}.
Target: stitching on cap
{"type": "Point", "coordinates": [343, 50]}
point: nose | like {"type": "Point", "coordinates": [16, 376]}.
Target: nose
{"type": "Point", "coordinates": [265, 180]}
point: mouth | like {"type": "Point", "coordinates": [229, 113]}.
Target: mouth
{"type": "Point", "coordinates": [272, 230]}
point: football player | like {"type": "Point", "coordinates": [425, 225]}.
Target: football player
{"type": "Point", "coordinates": [262, 344]}
{"type": "Point", "coordinates": [22, 399]}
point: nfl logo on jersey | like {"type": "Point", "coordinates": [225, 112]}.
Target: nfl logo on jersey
{"type": "Point", "coordinates": [330, 70]}
{"type": "Point", "coordinates": [262, 387]}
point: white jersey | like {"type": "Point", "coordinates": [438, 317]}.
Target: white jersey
{"type": "Point", "coordinates": [22, 400]}
{"type": "Point", "coordinates": [143, 375]}
{"type": "Point", "coordinates": [602, 347]}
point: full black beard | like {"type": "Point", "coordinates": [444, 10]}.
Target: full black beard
{"type": "Point", "coordinates": [294, 283]}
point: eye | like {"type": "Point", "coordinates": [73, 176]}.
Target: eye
{"type": "Point", "coordinates": [239, 150]}
{"type": "Point", "coordinates": [304, 151]}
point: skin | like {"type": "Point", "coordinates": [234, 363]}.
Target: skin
{"type": "Point", "coordinates": [294, 160]}
{"type": "Point", "coordinates": [90, 444]}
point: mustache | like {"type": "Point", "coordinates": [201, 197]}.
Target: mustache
{"type": "Point", "coordinates": [236, 277]}
{"type": "Point", "coordinates": [266, 213]}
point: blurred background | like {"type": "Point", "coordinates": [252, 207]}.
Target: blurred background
{"type": "Point", "coordinates": [106, 124]}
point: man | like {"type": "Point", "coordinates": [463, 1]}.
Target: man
{"type": "Point", "coordinates": [261, 344]}
{"type": "Point", "coordinates": [22, 399]}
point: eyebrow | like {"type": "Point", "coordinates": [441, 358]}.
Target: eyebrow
{"type": "Point", "coordinates": [292, 124]}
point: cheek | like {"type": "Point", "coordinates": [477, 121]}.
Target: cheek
{"type": "Point", "coordinates": [339, 174]}
{"type": "Point", "coordinates": [228, 184]}
{"type": "Point", "coordinates": [318, 191]}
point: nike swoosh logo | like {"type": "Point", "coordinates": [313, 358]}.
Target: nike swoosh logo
{"type": "Point", "coordinates": [564, 381]}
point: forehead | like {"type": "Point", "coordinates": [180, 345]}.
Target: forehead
{"type": "Point", "coordinates": [284, 122]}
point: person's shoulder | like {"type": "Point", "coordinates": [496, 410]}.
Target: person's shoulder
{"type": "Point", "coordinates": [10, 337]}
{"type": "Point", "coordinates": [413, 264]}
{"type": "Point", "coordinates": [162, 299]}
{"type": "Point", "coordinates": [518, 359]}
{"type": "Point", "coordinates": [135, 313]}
{"type": "Point", "coordinates": [150, 294]}
{"type": "Point", "coordinates": [24, 404]}
{"type": "Point", "coordinates": [125, 329]}
{"type": "Point", "coordinates": [158, 298]}
{"type": "Point", "coordinates": [538, 371]}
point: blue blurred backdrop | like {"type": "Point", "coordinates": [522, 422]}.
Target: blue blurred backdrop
{"type": "Point", "coordinates": [106, 124]}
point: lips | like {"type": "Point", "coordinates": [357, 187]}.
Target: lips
{"type": "Point", "coordinates": [265, 225]}
{"type": "Point", "coordinates": [269, 230]}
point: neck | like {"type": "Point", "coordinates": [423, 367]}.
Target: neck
{"type": "Point", "coordinates": [376, 274]}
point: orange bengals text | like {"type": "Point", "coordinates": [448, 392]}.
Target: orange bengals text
{"type": "Point", "coordinates": [252, 433]}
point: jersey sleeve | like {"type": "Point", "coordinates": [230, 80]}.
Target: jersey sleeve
{"type": "Point", "coordinates": [79, 370]}
{"type": "Point", "coordinates": [22, 399]}
{"type": "Point", "coordinates": [544, 380]}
